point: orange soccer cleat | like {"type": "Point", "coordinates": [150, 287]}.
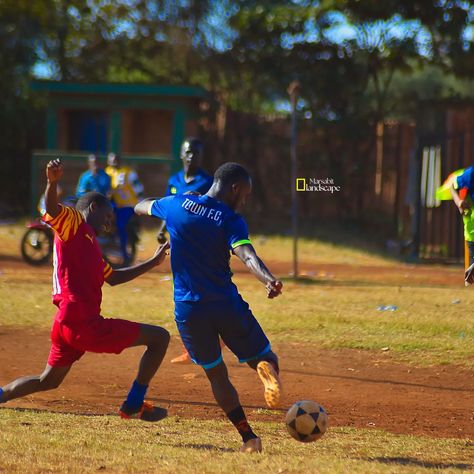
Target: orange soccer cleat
{"type": "Point", "coordinates": [271, 382]}
{"type": "Point", "coordinates": [147, 412]}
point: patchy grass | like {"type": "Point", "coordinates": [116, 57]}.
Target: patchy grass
{"type": "Point", "coordinates": [311, 251]}
{"type": "Point", "coordinates": [272, 247]}
{"type": "Point", "coordinates": [43, 441]}
{"type": "Point", "coordinates": [427, 328]}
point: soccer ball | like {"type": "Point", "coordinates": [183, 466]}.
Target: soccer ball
{"type": "Point", "coordinates": [306, 421]}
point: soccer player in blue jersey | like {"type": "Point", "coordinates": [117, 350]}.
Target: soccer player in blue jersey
{"type": "Point", "coordinates": [192, 178]}
{"type": "Point", "coordinates": [203, 230]}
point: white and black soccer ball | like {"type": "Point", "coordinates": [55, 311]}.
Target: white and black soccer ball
{"type": "Point", "coordinates": [306, 421]}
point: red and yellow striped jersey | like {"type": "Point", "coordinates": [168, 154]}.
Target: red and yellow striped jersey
{"type": "Point", "coordinates": [79, 271]}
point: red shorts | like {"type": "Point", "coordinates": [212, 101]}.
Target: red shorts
{"type": "Point", "coordinates": [71, 341]}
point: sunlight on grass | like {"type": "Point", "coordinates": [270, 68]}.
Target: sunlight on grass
{"type": "Point", "coordinates": [431, 325]}
{"type": "Point", "coordinates": [43, 441]}
{"type": "Point", "coordinates": [272, 247]}
{"type": "Point", "coordinates": [312, 251]}
{"type": "Point", "coordinates": [427, 328]}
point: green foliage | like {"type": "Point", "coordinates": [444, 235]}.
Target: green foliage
{"type": "Point", "coordinates": [21, 27]}
{"type": "Point", "coordinates": [354, 58]}
{"type": "Point", "coordinates": [343, 51]}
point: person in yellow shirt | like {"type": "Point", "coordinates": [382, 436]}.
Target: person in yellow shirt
{"type": "Point", "coordinates": [126, 189]}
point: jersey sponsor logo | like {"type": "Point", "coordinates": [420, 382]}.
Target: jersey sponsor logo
{"type": "Point", "coordinates": [121, 178]}
{"type": "Point", "coordinates": [200, 210]}
{"type": "Point", "coordinates": [90, 238]}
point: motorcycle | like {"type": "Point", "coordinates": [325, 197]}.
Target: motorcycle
{"type": "Point", "coordinates": [110, 245]}
{"type": "Point", "coordinates": [37, 244]}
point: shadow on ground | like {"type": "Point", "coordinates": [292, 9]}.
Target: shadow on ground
{"type": "Point", "coordinates": [417, 462]}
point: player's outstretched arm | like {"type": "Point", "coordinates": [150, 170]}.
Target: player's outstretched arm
{"type": "Point", "coordinates": [147, 208]}
{"type": "Point", "coordinates": [122, 275]}
{"type": "Point", "coordinates": [54, 171]}
{"type": "Point", "coordinates": [247, 254]}
{"type": "Point", "coordinates": [461, 204]}
{"type": "Point", "coordinates": [143, 208]}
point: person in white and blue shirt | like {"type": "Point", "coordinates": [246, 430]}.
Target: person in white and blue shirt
{"type": "Point", "coordinates": [204, 230]}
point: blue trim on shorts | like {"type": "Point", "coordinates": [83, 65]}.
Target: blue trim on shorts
{"type": "Point", "coordinates": [260, 354]}
{"type": "Point", "coordinates": [210, 365]}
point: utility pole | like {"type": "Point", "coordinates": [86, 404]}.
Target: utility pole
{"type": "Point", "coordinates": [293, 91]}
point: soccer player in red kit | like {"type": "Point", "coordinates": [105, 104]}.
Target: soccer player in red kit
{"type": "Point", "coordinates": [79, 272]}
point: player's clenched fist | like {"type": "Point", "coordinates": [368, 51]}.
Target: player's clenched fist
{"type": "Point", "coordinates": [274, 288]}
{"type": "Point", "coordinates": [161, 252]}
{"type": "Point", "coordinates": [464, 207]}
{"type": "Point", "coordinates": [54, 170]}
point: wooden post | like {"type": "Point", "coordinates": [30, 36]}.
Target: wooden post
{"type": "Point", "coordinates": [379, 158]}
{"type": "Point", "coordinates": [293, 90]}
{"type": "Point", "coordinates": [466, 256]}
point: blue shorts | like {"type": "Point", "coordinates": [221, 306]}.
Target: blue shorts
{"type": "Point", "coordinates": [201, 324]}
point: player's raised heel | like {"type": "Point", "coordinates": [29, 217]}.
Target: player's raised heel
{"type": "Point", "coordinates": [253, 445]}
{"type": "Point", "coordinates": [147, 412]}
{"type": "Point", "coordinates": [271, 381]}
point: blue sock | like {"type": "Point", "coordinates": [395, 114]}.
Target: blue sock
{"type": "Point", "coordinates": [136, 396]}
{"type": "Point", "coordinates": [1, 396]}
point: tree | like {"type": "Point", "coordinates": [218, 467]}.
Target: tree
{"type": "Point", "coordinates": [21, 35]}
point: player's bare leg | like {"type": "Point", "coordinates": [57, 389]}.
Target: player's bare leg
{"type": "Point", "coordinates": [156, 340]}
{"type": "Point", "coordinates": [268, 370]}
{"type": "Point", "coordinates": [224, 392]}
{"type": "Point", "coordinates": [227, 398]}
{"type": "Point", "coordinates": [50, 379]}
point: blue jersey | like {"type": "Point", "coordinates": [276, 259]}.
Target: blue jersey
{"type": "Point", "coordinates": [466, 180]}
{"type": "Point", "coordinates": [100, 182]}
{"type": "Point", "coordinates": [202, 231]}
{"type": "Point", "coordinates": [201, 183]}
